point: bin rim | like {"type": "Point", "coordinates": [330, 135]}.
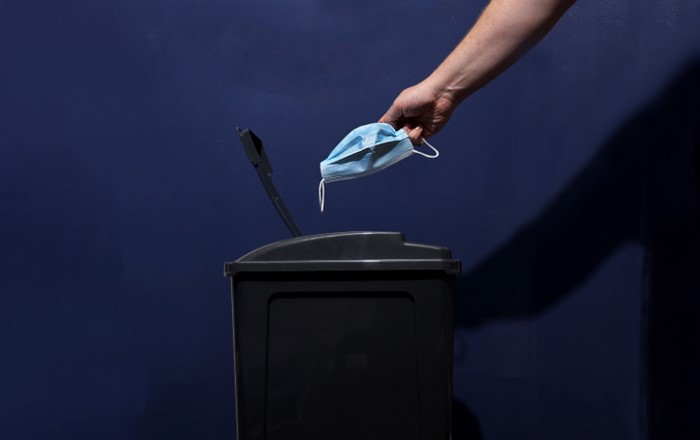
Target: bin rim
{"type": "Point", "coordinates": [345, 251]}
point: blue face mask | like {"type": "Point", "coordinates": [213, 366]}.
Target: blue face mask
{"type": "Point", "coordinates": [366, 150]}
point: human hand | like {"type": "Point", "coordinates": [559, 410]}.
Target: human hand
{"type": "Point", "coordinates": [421, 110]}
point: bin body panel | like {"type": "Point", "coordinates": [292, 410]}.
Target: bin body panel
{"type": "Point", "coordinates": [338, 364]}
{"type": "Point", "coordinates": [343, 354]}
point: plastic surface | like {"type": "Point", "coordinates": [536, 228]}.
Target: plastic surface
{"type": "Point", "coordinates": [253, 147]}
{"type": "Point", "coordinates": [344, 336]}
{"type": "Point", "coordinates": [346, 251]}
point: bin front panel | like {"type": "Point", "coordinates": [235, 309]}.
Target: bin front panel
{"type": "Point", "coordinates": [343, 356]}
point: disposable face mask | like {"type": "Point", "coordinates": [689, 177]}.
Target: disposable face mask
{"type": "Point", "coordinates": [366, 150]}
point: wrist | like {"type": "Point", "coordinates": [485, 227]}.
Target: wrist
{"type": "Point", "coordinates": [444, 88]}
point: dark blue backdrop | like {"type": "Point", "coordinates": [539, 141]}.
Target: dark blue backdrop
{"type": "Point", "coordinates": [123, 190]}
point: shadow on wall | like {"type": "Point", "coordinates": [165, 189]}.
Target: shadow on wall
{"type": "Point", "coordinates": [642, 186]}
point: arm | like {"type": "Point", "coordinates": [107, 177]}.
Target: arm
{"type": "Point", "coordinates": [504, 32]}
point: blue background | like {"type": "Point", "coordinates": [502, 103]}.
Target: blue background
{"type": "Point", "coordinates": [123, 190]}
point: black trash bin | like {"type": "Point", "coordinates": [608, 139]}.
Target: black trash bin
{"type": "Point", "coordinates": [343, 336]}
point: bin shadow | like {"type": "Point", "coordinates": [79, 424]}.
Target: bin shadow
{"type": "Point", "coordinates": [642, 186]}
{"type": "Point", "coordinates": [465, 425]}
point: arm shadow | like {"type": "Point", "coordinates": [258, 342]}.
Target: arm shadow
{"type": "Point", "coordinates": [640, 186]}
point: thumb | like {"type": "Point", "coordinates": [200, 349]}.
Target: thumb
{"type": "Point", "coordinates": [392, 115]}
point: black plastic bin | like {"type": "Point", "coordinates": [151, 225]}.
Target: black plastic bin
{"type": "Point", "coordinates": [344, 336]}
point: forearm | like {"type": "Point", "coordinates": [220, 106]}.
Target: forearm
{"type": "Point", "coordinates": [503, 33]}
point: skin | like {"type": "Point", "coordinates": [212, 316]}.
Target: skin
{"type": "Point", "coordinates": [504, 32]}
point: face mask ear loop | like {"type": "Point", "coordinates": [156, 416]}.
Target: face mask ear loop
{"type": "Point", "coordinates": [322, 193]}
{"type": "Point", "coordinates": [429, 156]}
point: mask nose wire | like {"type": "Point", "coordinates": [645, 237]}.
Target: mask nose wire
{"type": "Point", "coordinates": [429, 156]}
{"type": "Point", "coordinates": [322, 193]}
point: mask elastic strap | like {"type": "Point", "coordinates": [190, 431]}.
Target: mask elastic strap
{"type": "Point", "coordinates": [429, 156]}
{"type": "Point", "coordinates": [322, 193]}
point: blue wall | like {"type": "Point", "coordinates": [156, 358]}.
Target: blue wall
{"type": "Point", "coordinates": [123, 190]}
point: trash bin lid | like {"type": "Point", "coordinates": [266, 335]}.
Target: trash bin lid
{"type": "Point", "coordinates": [345, 251]}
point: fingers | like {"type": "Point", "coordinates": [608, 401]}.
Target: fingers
{"type": "Point", "coordinates": [411, 110]}
{"type": "Point", "coordinates": [415, 134]}
{"type": "Point", "coordinates": [395, 117]}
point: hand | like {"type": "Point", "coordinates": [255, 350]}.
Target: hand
{"type": "Point", "coordinates": [421, 110]}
